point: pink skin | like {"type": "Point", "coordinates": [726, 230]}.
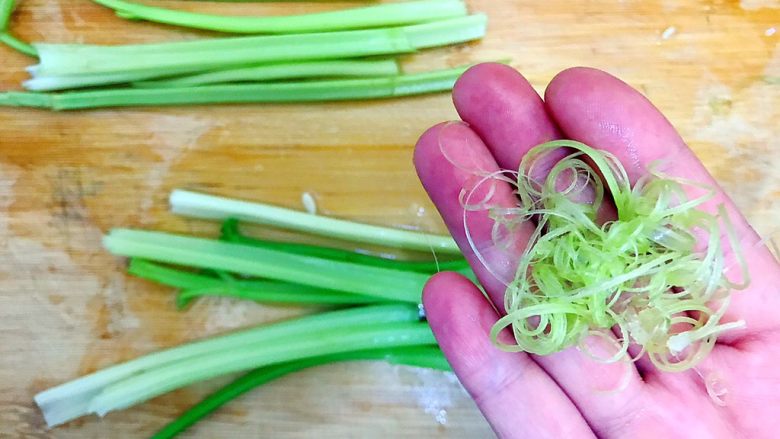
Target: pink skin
{"type": "Point", "coordinates": [563, 395]}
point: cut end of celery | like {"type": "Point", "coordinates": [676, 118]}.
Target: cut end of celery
{"type": "Point", "coordinates": [57, 409]}
{"type": "Point", "coordinates": [109, 240]}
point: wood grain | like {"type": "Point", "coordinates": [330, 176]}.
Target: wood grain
{"type": "Point", "coordinates": [66, 307]}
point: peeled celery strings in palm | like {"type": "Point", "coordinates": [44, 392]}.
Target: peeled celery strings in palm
{"type": "Point", "coordinates": [657, 272]}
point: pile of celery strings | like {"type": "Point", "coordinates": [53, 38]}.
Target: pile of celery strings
{"type": "Point", "coordinates": [328, 56]}
{"type": "Point", "coordinates": [374, 301]}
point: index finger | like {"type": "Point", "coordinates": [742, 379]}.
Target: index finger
{"type": "Point", "coordinates": [502, 107]}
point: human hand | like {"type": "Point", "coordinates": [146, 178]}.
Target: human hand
{"type": "Point", "coordinates": [566, 395]}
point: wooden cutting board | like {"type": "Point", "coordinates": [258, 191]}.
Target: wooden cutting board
{"type": "Point", "coordinates": [66, 308]}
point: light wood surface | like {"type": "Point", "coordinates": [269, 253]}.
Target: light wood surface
{"type": "Point", "coordinates": [66, 308]}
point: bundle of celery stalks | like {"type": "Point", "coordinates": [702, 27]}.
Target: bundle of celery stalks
{"type": "Point", "coordinates": [372, 301]}
{"type": "Point", "coordinates": [329, 56]}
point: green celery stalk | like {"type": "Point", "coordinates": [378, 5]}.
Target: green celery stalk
{"type": "Point", "coordinates": [142, 387]}
{"type": "Point", "coordinates": [218, 53]}
{"type": "Point", "coordinates": [281, 92]}
{"type": "Point", "coordinates": [230, 233]}
{"type": "Point", "coordinates": [270, 72]}
{"type": "Point", "coordinates": [382, 15]}
{"type": "Point", "coordinates": [23, 99]}
{"type": "Point", "coordinates": [17, 44]}
{"type": "Point", "coordinates": [378, 282]}
{"type": "Point", "coordinates": [53, 83]}
{"type": "Point", "coordinates": [194, 285]}
{"type": "Point", "coordinates": [419, 356]}
{"type": "Point", "coordinates": [71, 400]}
{"type": "Point", "coordinates": [6, 9]}
{"type": "Point", "coordinates": [197, 205]}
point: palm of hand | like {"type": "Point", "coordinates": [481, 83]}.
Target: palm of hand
{"type": "Point", "coordinates": [566, 394]}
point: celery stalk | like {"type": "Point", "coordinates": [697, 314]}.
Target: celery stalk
{"type": "Point", "coordinates": [311, 69]}
{"type": "Point", "coordinates": [144, 386]}
{"type": "Point", "coordinates": [17, 44]}
{"type": "Point", "coordinates": [6, 9]}
{"type": "Point", "coordinates": [22, 99]}
{"type": "Point", "coordinates": [202, 55]}
{"type": "Point", "coordinates": [230, 233]}
{"type": "Point", "coordinates": [53, 83]}
{"type": "Point", "coordinates": [204, 206]}
{"type": "Point", "coordinates": [278, 92]}
{"type": "Point", "coordinates": [271, 264]}
{"type": "Point", "coordinates": [419, 356]}
{"type": "Point", "coordinates": [71, 400]}
{"type": "Point", "coordinates": [391, 14]}
{"type": "Point", "coordinates": [195, 285]}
